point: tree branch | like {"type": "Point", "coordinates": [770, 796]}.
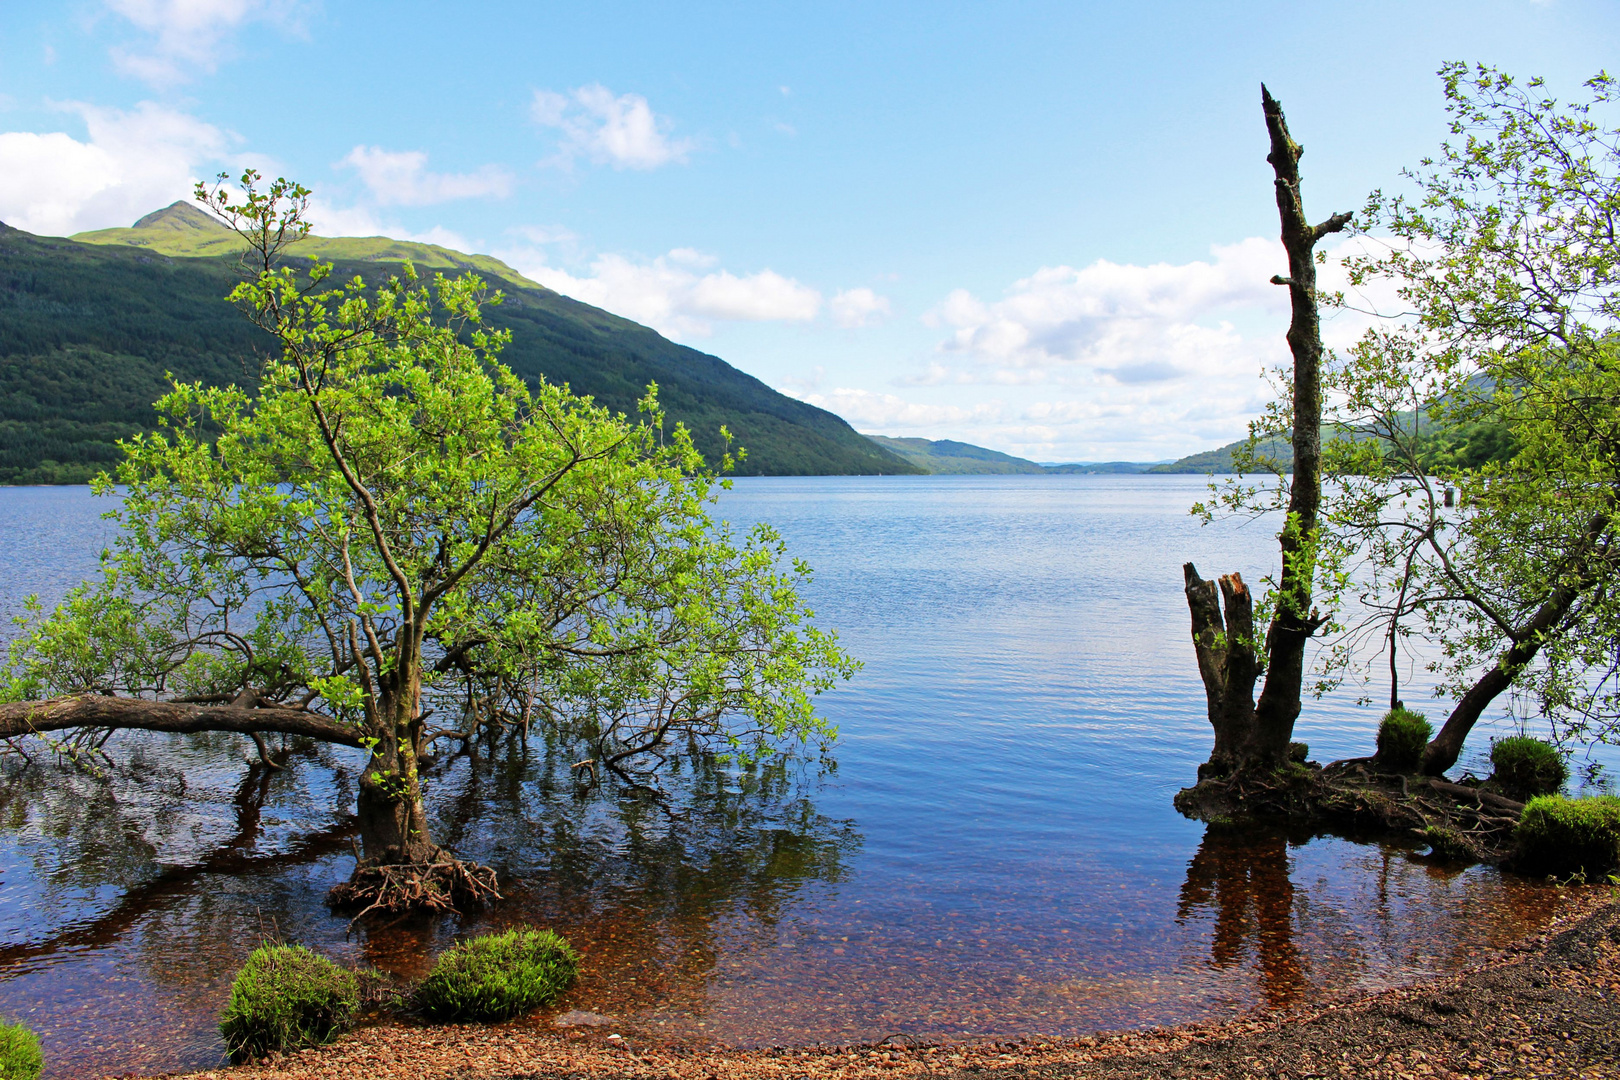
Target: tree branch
{"type": "Point", "coordinates": [55, 714]}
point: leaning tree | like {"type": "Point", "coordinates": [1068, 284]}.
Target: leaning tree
{"type": "Point", "coordinates": [395, 539]}
{"type": "Point", "coordinates": [1506, 261]}
{"type": "Point", "coordinates": [1231, 659]}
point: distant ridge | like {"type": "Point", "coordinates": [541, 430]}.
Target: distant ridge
{"type": "Point", "coordinates": [950, 458]}
{"type": "Point", "coordinates": [1223, 460]}
{"type": "Point", "coordinates": [1096, 468]}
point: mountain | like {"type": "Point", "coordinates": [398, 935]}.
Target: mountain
{"type": "Point", "coordinates": [947, 457]}
{"type": "Point", "coordinates": [89, 329]}
{"type": "Point", "coordinates": [183, 230]}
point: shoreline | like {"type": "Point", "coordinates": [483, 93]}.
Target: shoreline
{"type": "Point", "coordinates": [1546, 1006]}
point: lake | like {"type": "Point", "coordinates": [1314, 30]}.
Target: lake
{"type": "Point", "coordinates": [992, 851]}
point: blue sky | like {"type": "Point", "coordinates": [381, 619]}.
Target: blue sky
{"type": "Point", "coordinates": [1044, 228]}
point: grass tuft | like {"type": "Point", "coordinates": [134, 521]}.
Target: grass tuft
{"type": "Point", "coordinates": [1524, 767]}
{"type": "Point", "coordinates": [1570, 837]}
{"type": "Point", "coordinates": [20, 1056]}
{"type": "Point", "coordinates": [499, 976]}
{"type": "Point", "coordinates": [1402, 735]}
{"type": "Point", "coordinates": [287, 998]}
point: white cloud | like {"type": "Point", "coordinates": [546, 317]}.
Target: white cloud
{"type": "Point", "coordinates": [678, 294]}
{"type": "Point", "coordinates": [130, 164]}
{"type": "Point", "coordinates": [400, 178]}
{"type": "Point", "coordinates": [1139, 321]}
{"type": "Point", "coordinates": [761, 297]}
{"type": "Point", "coordinates": [621, 131]}
{"type": "Point", "coordinates": [1117, 360]}
{"type": "Point", "coordinates": [180, 37]}
{"type": "Point", "coordinates": [858, 307]}
{"type": "Point", "coordinates": [1133, 324]}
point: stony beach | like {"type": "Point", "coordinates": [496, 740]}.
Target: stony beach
{"type": "Point", "coordinates": [1548, 1006]}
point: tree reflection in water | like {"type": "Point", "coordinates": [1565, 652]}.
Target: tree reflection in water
{"type": "Point", "coordinates": [652, 885]}
{"type": "Point", "coordinates": [140, 890]}
{"type": "Point", "coordinates": [1243, 874]}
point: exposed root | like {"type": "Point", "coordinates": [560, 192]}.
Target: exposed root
{"type": "Point", "coordinates": [447, 885]}
{"type": "Point", "coordinates": [1460, 823]}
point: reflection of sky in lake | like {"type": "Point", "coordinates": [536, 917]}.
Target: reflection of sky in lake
{"type": "Point", "coordinates": [995, 854]}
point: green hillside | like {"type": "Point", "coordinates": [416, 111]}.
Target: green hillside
{"type": "Point", "coordinates": [88, 331]}
{"type": "Point", "coordinates": [946, 457]}
{"type": "Point", "coordinates": [1464, 445]}
{"type": "Point", "coordinates": [1221, 460]}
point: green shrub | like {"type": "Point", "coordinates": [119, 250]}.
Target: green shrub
{"type": "Point", "coordinates": [20, 1056]}
{"type": "Point", "coordinates": [287, 998]}
{"type": "Point", "coordinates": [498, 976]}
{"type": "Point", "coordinates": [1402, 735]}
{"type": "Point", "coordinates": [1570, 836]}
{"type": "Point", "coordinates": [1524, 767]}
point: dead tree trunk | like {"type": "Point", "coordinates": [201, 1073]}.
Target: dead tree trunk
{"type": "Point", "coordinates": [1227, 662]}
{"type": "Point", "coordinates": [1259, 733]}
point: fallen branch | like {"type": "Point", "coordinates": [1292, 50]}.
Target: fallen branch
{"type": "Point", "coordinates": [1463, 792]}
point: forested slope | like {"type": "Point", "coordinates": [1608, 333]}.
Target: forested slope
{"type": "Point", "coordinates": [88, 333]}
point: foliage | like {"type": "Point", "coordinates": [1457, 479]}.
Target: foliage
{"type": "Point", "coordinates": [1524, 767]}
{"type": "Point", "coordinates": [1570, 836]}
{"type": "Point", "coordinates": [397, 525]}
{"type": "Point", "coordinates": [89, 334]}
{"type": "Point", "coordinates": [1402, 735]}
{"type": "Point", "coordinates": [20, 1055]}
{"type": "Point", "coordinates": [498, 976]}
{"type": "Point", "coordinates": [287, 998]}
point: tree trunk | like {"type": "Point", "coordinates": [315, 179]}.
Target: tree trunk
{"type": "Point", "coordinates": [1260, 733]}
{"type": "Point", "coordinates": [1446, 747]}
{"type": "Point", "coordinates": [393, 819]}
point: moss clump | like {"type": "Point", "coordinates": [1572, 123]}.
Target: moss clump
{"type": "Point", "coordinates": [1449, 844]}
{"type": "Point", "coordinates": [1524, 768]}
{"type": "Point", "coordinates": [287, 998]}
{"type": "Point", "coordinates": [20, 1056]}
{"type": "Point", "coordinates": [1402, 735]}
{"type": "Point", "coordinates": [1570, 836]}
{"type": "Point", "coordinates": [498, 976]}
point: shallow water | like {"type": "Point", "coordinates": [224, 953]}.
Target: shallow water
{"type": "Point", "coordinates": [994, 853]}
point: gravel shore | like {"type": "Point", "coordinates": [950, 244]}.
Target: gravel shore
{"type": "Point", "coordinates": [1547, 1007]}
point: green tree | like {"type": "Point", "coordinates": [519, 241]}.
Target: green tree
{"type": "Point", "coordinates": [1506, 264]}
{"type": "Point", "coordinates": [396, 528]}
